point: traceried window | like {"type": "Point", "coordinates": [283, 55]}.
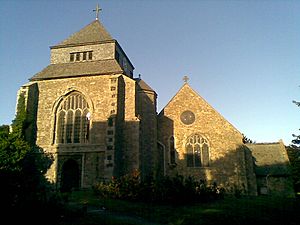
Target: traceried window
{"type": "Point", "coordinates": [73, 120]}
{"type": "Point", "coordinates": [197, 151]}
{"type": "Point", "coordinates": [172, 150]}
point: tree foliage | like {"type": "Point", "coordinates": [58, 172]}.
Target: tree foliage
{"type": "Point", "coordinates": [13, 150]}
{"type": "Point", "coordinates": [297, 103]}
{"type": "Point", "coordinates": [296, 140]}
{"type": "Point", "coordinates": [174, 190]}
{"type": "Point", "coordinates": [294, 156]}
{"type": "Point", "coordinates": [247, 140]}
{"type": "Point", "coordinates": [22, 168]}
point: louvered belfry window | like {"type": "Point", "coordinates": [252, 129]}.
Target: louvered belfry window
{"type": "Point", "coordinates": [73, 120]}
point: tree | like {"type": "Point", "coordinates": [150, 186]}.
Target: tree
{"type": "Point", "coordinates": [294, 156]}
{"type": "Point", "coordinates": [24, 187]}
{"type": "Point", "coordinates": [296, 141]}
{"type": "Point", "coordinates": [247, 140]}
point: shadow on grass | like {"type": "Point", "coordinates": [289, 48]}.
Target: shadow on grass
{"type": "Point", "coordinates": [246, 210]}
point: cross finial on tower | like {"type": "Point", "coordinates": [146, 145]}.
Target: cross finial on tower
{"type": "Point", "coordinates": [97, 10]}
{"type": "Point", "coordinates": [185, 79]}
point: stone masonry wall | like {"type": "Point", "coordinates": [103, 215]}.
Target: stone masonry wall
{"type": "Point", "coordinates": [131, 128]}
{"type": "Point", "coordinates": [98, 93]}
{"type": "Point", "coordinates": [227, 161]}
{"type": "Point", "coordinates": [148, 131]}
{"type": "Point", "coordinates": [100, 52]}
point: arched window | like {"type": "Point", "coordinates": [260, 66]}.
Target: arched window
{"type": "Point", "coordinates": [197, 151]}
{"type": "Point", "coordinates": [72, 120]}
{"type": "Point", "coordinates": [172, 150]}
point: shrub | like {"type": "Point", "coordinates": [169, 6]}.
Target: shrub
{"type": "Point", "coordinates": [177, 189]}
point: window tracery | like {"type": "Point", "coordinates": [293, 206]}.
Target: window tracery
{"type": "Point", "coordinates": [197, 151]}
{"type": "Point", "coordinates": [72, 120]}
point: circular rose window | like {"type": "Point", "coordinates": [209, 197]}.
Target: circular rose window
{"type": "Point", "coordinates": [187, 117]}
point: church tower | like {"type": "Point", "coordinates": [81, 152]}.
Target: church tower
{"type": "Point", "coordinates": [97, 121]}
{"type": "Point", "coordinates": [91, 114]}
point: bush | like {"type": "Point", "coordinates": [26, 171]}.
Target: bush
{"type": "Point", "coordinates": [166, 189]}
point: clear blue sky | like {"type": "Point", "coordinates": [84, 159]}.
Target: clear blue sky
{"type": "Point", "coordinates": [242, 57]}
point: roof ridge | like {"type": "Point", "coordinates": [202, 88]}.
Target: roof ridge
{"type": "Point", "coordinates": [264, 143]}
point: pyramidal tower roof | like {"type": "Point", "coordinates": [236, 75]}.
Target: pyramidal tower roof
{"type": "Point", "coordinates": [92, 33]}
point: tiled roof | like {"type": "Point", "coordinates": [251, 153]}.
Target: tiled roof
{"type": "Point", "coordinates": [270, 159]}
{"type": "Point", "coordinates": [64, 70]}
{"type": "Point", "coordinates": [93, 32]}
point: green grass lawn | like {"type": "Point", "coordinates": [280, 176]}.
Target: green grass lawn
{"type": "Point", "coordinates": [234, 211]}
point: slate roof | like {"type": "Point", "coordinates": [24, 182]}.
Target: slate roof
{"type": "Point", "coordinates": [93, 32]}
{"type": "Point", "coordinates": [143, 85]}
{"type": "Point", "coordinates": [270, 159]}
{"type": "Point", "coordinates": [76, 69]}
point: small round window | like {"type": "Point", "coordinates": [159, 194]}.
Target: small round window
{"type": "Point", "coordinates": [187, 117]}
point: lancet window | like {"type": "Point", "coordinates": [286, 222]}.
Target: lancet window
{"type": "Point", "coordinates": [172, 150]}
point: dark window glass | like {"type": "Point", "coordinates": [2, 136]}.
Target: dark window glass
{"type": "Point", "coordinates": [90, 55]}
{"type": "Point", "coordinates": [172, 150]}
{"type": "Point", "coordinates": [69, 127]}
{"type": "Point", "coordinates": [84, 55]}
{"type": "Point", "coordinates": [205, 155]}
{"type": "Point", "coordinates": [86, 127]}
{"type": "Point", "coordinates": [77, 124]}
{"type": "Point", "coordinates": [189, 156]}
{"type": "Point", "coordinates": [197, 151]}
{"type": "Point", "coordinates": [72, 57]}
{"type": "Point", "coordinates": [78, 56]}
{"type": "Point", "coordinates": [197, 155]}
{"type": "Point", "coordinates": [73, 120]}
{"type": "Point", "coordinates": [187, 117]}
{"type": "Point", "coordinates": [61, 127]}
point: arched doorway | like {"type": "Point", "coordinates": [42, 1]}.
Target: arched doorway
{"type": "Point", "coordinates": [70, 176]}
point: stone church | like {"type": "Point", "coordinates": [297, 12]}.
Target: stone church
{"type": "Point", "coordinates": [98, 121]}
